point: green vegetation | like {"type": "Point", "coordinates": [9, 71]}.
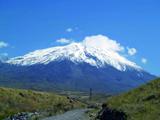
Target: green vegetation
{"type": "Point", "coordinates": [142, 103]}
{"type": "Point", "coordinates": [13, 101]}
{"type": "Point", "coordinates": [97, 98]}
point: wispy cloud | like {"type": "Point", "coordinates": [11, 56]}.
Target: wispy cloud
{"type": "Point", "coordinates": [69, 29]}
{"type": "Point", "coordinates": [131, 51]}
{"type": "Point", "coordinates": [64, 41]}
{"type": "Point", "coordinates": [4, 54]}
{"type": "Point", "coordinates": [3, 44]}
{"type": "Point", "coordinates": [144, 60]}
{"type": "Point", "coordinates": [3, 57]}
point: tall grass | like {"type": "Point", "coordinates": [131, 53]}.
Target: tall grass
{"type": "Point", "coordinates": [142, 103]}
{"type": "Point", "coordinates": [13, 101]}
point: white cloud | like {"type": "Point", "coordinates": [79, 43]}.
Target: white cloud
{"type": "Point", "coordinates": [131, 51]}
{"type": "Point", "coordinates": [3, 57]}
{"type": "Point", "coordinates": [110, 46]}
{"type": "Point", "coordinates": [4, 54]}
{"type": "Point", "coordinates": [103, 42]}
{"type": "Point", "coordinates": [69, 30]}
{"type": "Point", "coordinates": [144, 60]}
{"type": "Point", "coordinates": [63, 41]}
{"type": "Point", "coordinates": [3, 44]}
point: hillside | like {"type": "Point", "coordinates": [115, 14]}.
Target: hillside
{"type": "Point", "coordinates": [142, 103]}
{"type": "Point", "coordinates": [13, 101]}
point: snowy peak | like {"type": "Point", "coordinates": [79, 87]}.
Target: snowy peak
{"type": "Point", "coordinates": [96, 62]}
{"type": "Point", "coordinates": [77, 53]}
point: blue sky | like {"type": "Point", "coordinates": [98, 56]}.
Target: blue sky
{"type": "Point", "coordinates": [27, 25]}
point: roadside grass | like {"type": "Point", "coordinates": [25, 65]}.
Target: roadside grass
{"type": "Point", "coordinates": [13, 101]}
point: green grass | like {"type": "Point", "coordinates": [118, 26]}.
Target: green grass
{"type": "Point", "coordinates": [13, 101]}
{"type": "Point", "coordinates": [142, 103]}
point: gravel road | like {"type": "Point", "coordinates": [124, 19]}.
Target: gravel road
{"type": "Point", "coordinates": [71, 115]}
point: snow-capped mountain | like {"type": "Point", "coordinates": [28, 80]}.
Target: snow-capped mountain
{"type": "Point", "coordinates": [76, 66]}
{"type": "Point", "coordinates": [77, 53]}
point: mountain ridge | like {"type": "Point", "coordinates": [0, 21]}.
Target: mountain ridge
{"type": "Point", "coordinates": [76, 52]}
{"type": "Point", "coordinates": [74, 67]}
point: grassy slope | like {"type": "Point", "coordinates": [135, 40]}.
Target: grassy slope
{"type": "Point", "coordinates": [15, 100]}
{"type": "Point", "coordinates": [140, 104]}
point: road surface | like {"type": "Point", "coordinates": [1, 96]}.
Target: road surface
{"type": "Point", "coordinates": [71, 115]}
